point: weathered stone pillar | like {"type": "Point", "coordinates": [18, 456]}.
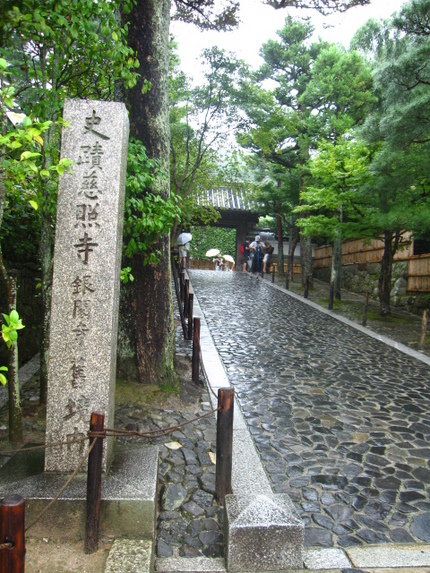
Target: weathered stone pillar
{"type": "Point", "coordinates": [85, 292]}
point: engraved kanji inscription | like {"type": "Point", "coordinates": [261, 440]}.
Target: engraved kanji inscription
{"type": "Point", "coordinates": [78, 372]}
{"type": "Point", "coordinates": [87, 215]}
{"type": "Point", "coordinates": [92, 121]}
{"type": "Point", "coordinates": [82, 285]}
{"type": "Point", "coordinates": [85, 247]}
{"type": "Point", "coordinates": [77, 409]}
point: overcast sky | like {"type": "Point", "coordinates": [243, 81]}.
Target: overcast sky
{"type": "Point", "coordinates": [260, 23]}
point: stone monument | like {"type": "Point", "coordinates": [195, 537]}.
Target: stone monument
{"type": "Point", "coordinates": [86, 280]}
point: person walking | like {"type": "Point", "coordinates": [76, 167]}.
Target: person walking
{"type": "Point", "coordinates": [257, 248]}
{"type": "Point", "coordinates": [183, 241]}
{"type": "Point", "coordinates": [269, 251]}
{"type": "Point", "coordinates": [244, 252]}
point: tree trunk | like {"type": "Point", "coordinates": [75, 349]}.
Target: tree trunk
{"type": "Point", "coordinates": [384, 283]}
{"type": "Point", "coordinates": [306, 259]}
{"type": "Point", "coordinates": [336, 267]}
{"type": "Point", "coordinates": [280, 246]}
{"type": "Point", "coordinates": [15, 411]}
{"type": "Point", "coordinates": [149, 122]}
{"type": "Point", "coordinates": [292, 248]}
{"type": "Point", "coordinates": [305, 242]}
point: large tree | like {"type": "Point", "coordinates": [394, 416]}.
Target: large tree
{"type": "Point", "coordinates": [338, 96]}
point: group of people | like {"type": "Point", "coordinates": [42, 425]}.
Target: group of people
{"type": "Point", "coordinates": [220, 265]}
{"type": "Point", "coordinates": [255, 255]}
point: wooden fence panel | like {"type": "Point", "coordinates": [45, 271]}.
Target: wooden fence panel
{"type": "Point", "coordinates": [419, 274]}
{"type": "Point", "coordinates": [356, 252]}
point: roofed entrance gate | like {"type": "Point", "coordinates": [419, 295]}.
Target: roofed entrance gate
{"type": "Point", "coordinates": [236, 212]}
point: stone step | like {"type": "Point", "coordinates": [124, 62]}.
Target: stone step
{"type": "Point", "coordinates": [129, 495]}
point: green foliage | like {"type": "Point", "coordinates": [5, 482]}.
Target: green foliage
{"type": "Point", "coordinates": [10, 328]}
{"type": "Point", "coordinates": [147, 215]}
{"type": "Point", "coordinates": [126, 275]}
{"type": "Point", "coordinates": [340, 92]}
{"type": "Point", "coordinates": [73, 49]}
{"type": "Point", "coordinates": [331, 200]}
{"type": "Point", "coordinates": [205, 238]}
{"type": "Point", "coordinates": [3, 379]}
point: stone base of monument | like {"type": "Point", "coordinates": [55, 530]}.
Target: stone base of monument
{"type": "Point", "coordinates": [262, 533]}
{"type": "Point", "coordinates": [129, 495]}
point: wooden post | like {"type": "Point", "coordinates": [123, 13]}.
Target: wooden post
{"type": "Point", "coordinates": [12, 512]}
{"type": "Point", "coordinates": [186, 297]}
{"type": "Point", "coordinates": [190, 316]}
{"type": "Point", "coordinates": [94, 485]}
{"type": "Point", "coordinates": [423, 330]}
{"type": "Point", "coordinates": [331, 296]}
{"type": "Point", "coordinates": [224, 443]}
{"type": "Point", "coordinates": [273, 274]}
{"type": "Point", "coordinates": [366, 304]}
{"type": "Point", "coordinates": [182, 284]}
{"type": "Point", "coordinates": [196, 352]}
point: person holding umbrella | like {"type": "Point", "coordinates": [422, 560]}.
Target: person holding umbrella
{"type": "Point", "coordinates": [256, 248]}
{"type": "Point", "coordinates": [183, 241]}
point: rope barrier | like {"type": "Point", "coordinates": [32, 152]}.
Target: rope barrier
{"type": "Point", "coordinates": [43, 447]}
{"type": "Point", "coordinates": [116, 433]}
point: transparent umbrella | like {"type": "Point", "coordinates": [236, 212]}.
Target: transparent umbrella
{"type": "Point", "coordinates": [184, 238]}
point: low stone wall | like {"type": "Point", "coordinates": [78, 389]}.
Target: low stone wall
{"type": "Point", "coordinates": [362, 278]}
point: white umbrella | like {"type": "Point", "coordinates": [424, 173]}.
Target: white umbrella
{"type": "Point", "coordinates": [212, 253]}
{"type": "Point", "coordinates": [184, 238]}
{"type": "Point", "coordinates": [229, 258]}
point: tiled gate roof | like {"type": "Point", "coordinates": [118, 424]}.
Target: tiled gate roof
{"type": "Point", "coordinates": [225, 199]}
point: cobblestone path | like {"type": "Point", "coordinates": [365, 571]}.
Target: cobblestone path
{"type": "Point", "coordinates": [341, 420]}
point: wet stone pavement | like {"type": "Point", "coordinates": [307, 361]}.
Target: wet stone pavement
{"type": "Point", "coordinates": [341, 421]}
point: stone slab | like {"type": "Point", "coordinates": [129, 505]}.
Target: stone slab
{"type": "Point", "coordinates": [248, 474]}
{"type": "Point", "coordinates": [262, 533]}
{"type": "Point", "coordinates": [394, 556]}
{"type": "Point", "coordinates": [323, 559]}
{"type": "Point", "coordinates": [129, 494]}
{"type": "Point", "coordinates": [86, 278]}
{"type": "Point", "coordinates": [190, 565]}
{"type": "Point", "coordinates": [129, 556]}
